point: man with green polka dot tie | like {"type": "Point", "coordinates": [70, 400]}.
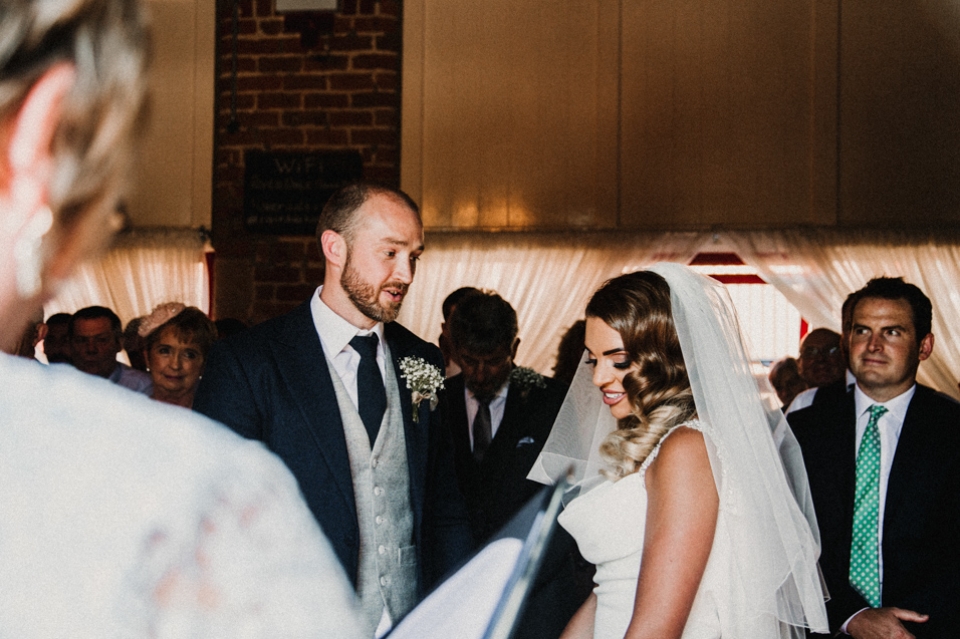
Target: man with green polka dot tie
{"type": "Point", "coordinates": [864, 557]}
{"type": "Point", "coordinates": [883, 459]}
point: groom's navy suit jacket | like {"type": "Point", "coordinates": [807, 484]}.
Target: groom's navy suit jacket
{"type": "Point", "coordinates": [272, 383]}
{"type": "Point", "coordinates": [921, 524]}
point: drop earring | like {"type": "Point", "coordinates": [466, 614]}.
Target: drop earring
{"type": "Point", "coordinates": [28, 253]}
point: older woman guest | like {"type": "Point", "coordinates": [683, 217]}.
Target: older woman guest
{"type": "Point", "coordinates": [120, 516]}
{"type": "Point", "coordinates": [176, 341]}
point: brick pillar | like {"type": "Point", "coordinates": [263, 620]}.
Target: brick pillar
{"type": "Point", "coordinates": [310, 82]}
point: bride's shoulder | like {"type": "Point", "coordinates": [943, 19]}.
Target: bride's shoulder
{"type": "Point", "coordinates": [682, 440]}
{"type": "Point", "coordinates": [682, 448]}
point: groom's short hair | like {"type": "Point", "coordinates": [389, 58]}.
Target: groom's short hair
{"type": "Point", "coordinates": [338, 213]}
{"type": "Point", "coordinates": [483, 322]}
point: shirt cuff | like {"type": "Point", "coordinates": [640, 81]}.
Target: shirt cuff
{"type": "Point", "coordinates": [843, 628]}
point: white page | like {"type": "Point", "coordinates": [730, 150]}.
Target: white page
{"type": "Point", "coordinates": [463, 605]}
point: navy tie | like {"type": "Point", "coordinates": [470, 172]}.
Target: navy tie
{"type": "Point", "coordinates": [371, 396]}
{"type": "Point", "coordinates": [482, 430]}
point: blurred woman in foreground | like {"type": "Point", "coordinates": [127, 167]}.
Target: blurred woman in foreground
{"type": "Point", "coordinates": [120, 516]}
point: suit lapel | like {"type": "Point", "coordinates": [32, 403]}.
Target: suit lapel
{"type": "Point", "coordinates": [303, 367]}
{"type": "Point", "coordinates": [512, 421]}
{"type": "Point", "coordinates": [909, 474]}
{"type": "Point", "coordinates": [456, 413]}
{"type": "Point", "coordinates": [847, 458]}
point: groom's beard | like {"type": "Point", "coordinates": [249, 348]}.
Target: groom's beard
{"type": "Point", "coordinates": [367, 298]}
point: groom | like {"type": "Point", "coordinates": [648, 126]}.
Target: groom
{"type": "Point", "coordinates": [322, 388]}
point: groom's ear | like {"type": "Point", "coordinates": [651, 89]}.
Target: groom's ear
{"type": "Point", "coordinates": [334, 248]}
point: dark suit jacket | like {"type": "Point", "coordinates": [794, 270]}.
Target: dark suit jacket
{"type": "Point", "coordinates": [921, 525]}
{"type": "Point", "coordinates": [497, 488]}
{"type": "Point", "coordinates": [272, 384]}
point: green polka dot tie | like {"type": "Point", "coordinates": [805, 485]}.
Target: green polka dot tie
{"type": "Point", "coordinates": [864, 555]}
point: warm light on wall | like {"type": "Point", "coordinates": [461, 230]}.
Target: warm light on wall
{"type": "Point", "coordinates": [306, 5]}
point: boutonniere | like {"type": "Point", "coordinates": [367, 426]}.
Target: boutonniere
{"type": "Point", "coordinates": [524, 379]}
{"type": "Point", "coordinates": [424, 380]}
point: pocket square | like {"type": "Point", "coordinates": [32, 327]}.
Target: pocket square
{"type": "Point", "coordinates": [526, 441]}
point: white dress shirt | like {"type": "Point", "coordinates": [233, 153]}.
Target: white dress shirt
{"type": "Point", "coordinates": [335, 335]}
{"type": "Point", "coordinates": [889, 425]}
{"type": "Point", "coordinates": [497, 405]}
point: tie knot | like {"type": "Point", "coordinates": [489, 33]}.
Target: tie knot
{"type": "Point", "coordinates": [876, 412]}
{"type": "Point", "coordinates": [366, 345]}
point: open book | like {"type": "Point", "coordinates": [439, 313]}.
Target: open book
{"type": "Point", "coordinates": [485, 598]}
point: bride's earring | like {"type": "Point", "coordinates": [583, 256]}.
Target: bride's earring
{"type": "Point", "coordinates": [28, 253]}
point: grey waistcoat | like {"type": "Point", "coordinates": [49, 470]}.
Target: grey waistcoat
{"type": "Point", "coordinates": [387, 574]}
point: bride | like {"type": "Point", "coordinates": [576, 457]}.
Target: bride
{"type": "Point", "coordinates": [696, 525]}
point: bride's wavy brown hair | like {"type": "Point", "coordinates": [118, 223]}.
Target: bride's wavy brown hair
{"type": "Point", "coordinates": [637, 305]}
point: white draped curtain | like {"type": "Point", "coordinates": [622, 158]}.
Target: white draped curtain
{"type": "Point", "coordinates": [816, 269]}
{"type": "Point", "coordinates": [547, 277]}
{"type": "Point", "coordinates": [143, 268]}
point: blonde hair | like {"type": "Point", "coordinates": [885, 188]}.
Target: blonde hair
{"type": "Point", "coordinates": [105, 41]}
{"type": "Point", "coordinates": [637, 306]}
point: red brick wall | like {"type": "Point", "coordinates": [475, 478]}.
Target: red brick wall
{"type": "Point", "coordinates": [341, 94]}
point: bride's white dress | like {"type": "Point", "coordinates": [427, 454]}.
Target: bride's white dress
{"type": "Point", "coordinates": [761, 579]}
{"type": "Point", "coordinates": [608, 524]}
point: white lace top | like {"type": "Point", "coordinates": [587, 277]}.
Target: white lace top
{"type": "Point", "coordinates": [124, 517]}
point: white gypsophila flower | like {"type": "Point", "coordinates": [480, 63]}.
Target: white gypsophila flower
{"type": "Point", "coordinates": [424, 380]}
{"type": "Point", "coordinates": [525, 378]}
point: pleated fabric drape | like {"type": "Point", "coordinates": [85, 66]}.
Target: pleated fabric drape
{"type": "Point", "coordinates": [141, 269]}
{"type": "Point", "coordinates": [549, 276]}
{"type": "Point", "coordinates": [817, 268]}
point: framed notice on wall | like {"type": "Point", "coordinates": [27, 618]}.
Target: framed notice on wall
{"type": "Point", "coordinates": [306, 5]}
{"type": "Point", "coordinates": [284, 191]}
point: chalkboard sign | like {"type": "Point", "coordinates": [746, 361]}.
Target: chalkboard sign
{"type": "Point", "coordinates": [284, 191]}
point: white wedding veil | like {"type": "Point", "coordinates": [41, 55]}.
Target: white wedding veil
{"type": "Point", "coordinates": [756, 461]}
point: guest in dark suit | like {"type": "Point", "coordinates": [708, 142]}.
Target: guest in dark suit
{"type": "Point", "coordinates": [515, 408]}
{"type": "Point", "coordinates": [449, 305]}
{"type": "Point", "coordinates": [324, 387]}
{"type": "Point", "coordinates": [809, 396]}
{"type": "Point", "coordinates": [499, 417]}
{"type": "Point", "coordinates": [883, 460]}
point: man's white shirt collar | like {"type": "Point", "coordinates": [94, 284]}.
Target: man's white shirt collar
{"type": "Point", "coordinates": [335, 332]}
{"type": "Point", "coordinates": [896, 408]}
{"type": "Point", "coordinates": [500, 395]}
{"type": "Point", "coordinates": [497, 406]}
